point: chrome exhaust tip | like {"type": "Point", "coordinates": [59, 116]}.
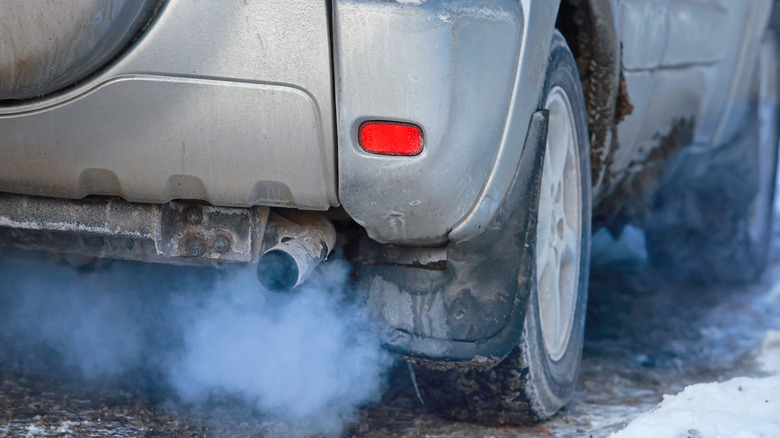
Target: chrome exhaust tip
{"type": "Point", "coordinates": [291, 261]}
{"type": "Point", "coordinates": [289, 264]}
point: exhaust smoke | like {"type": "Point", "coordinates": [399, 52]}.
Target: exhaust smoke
{"type": "Point", "coordinates": [309, 358]}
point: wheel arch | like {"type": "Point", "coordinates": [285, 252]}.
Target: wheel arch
{"type": "Point", "coordinates": [591, 28]}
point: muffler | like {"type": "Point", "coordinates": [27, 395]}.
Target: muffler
{"type": "Point", "coordinates": [301, 240]}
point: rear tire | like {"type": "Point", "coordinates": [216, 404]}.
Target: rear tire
{"type": "Point", "coordinates": [713, 220]}
{"type": "Point", "coordinates": [538, 377]}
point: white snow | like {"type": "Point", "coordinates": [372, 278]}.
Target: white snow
{"type": "Point", "coordinates": [769, 358]}
{"type": "Point", "coordinates": [739, 408]}
{"type": "Point", "coordinates": [34, 431]}
{"type": "Point", "coordinates": [65, 426]}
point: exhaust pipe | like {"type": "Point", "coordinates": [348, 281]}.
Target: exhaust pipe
{"type": "Point", "coordinates": [286, 244]}
{"type": "Point", "coordinates": [303, 240]}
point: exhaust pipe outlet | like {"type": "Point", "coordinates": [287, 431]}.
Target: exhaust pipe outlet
{"type": "Point", "coordinates": [304, 240]}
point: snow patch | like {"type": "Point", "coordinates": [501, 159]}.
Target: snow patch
{"type": "Point", "coordinates": [65, 426]}
{"type": "Point", "coordinates": [769, 358]}
{"type": "Point", "coordinates": [33, 431]}
{"type": "Point", "coordinates": [739, 408]}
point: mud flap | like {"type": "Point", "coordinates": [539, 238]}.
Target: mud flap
{"type": "Point", "coordinates": [473, 307]}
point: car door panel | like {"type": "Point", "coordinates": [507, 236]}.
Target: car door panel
{"type": "Point", "coordinates": [704, 50]}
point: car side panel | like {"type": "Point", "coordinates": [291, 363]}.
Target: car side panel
{"type": "Point", "coordinates": [690, 76]}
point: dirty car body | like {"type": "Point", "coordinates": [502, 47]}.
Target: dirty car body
{"type": "Point", "coordinates": [177, 132]}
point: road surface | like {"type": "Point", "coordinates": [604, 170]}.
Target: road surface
{"type": "Point", "coordinates": [645, 337]}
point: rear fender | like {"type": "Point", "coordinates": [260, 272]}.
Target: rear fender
{"type": "Point", "coordinates": [468, 72]}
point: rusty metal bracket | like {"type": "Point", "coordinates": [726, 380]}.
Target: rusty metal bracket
{"type": "Point", "coordinates": [214, 233]}
{"type": "Point", "coordinates": [177, 232]}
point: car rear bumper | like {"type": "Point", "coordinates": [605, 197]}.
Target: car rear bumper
{"type": "Point", "coordinates": [230, 105]}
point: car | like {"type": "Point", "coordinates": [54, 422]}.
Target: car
{"type": "Point", "coordinates": [465, 151]}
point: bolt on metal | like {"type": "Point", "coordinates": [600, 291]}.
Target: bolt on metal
{"type": "Point", "coordinates": [194, 215]}
{"type": "Point", "coordinates": [221, 244]}
{"type": "Point", "coordinates": [196, 248]}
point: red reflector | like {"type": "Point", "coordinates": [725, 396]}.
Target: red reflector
{"type": "Point", "coordinates": [387, 138]}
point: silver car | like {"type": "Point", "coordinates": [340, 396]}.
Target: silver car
{"type": "Point", "coordinates": [464, 149]}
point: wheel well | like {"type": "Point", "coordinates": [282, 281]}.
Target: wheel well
{"type": "Point", "coordinates": [589, 29]}
{"type": "Point", "coordinates": [568, 27]}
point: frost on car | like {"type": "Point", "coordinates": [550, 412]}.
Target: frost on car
{"type": "Point", "coordinates": [465, 150]}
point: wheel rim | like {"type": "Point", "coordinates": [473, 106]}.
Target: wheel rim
{"type": "Point", "coordinates": [559, 227]}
